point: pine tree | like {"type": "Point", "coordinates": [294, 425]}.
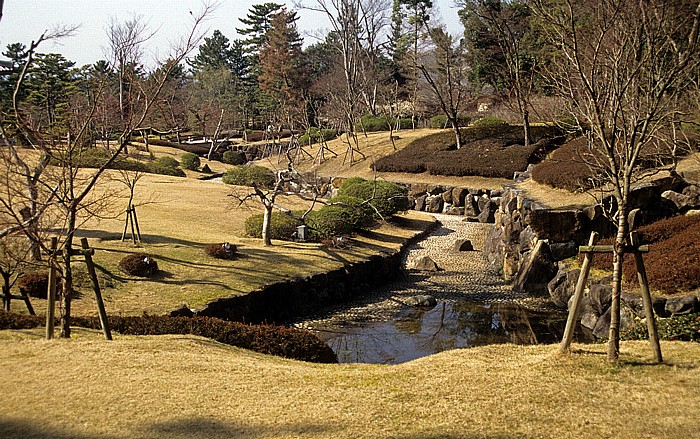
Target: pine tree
{"type": "Point", "coordinates": [214, 53]}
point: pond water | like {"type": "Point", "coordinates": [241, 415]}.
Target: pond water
{"type": "Point", "coordinates": [418, 332]}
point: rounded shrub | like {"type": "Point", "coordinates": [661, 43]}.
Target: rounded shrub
{"type": "Point", "coordinates": [490, 121]}
{"type": "Point", "coordinates": [330, 221]}
{"type": "Point", "coordinates": [139, 264]}
{"type": "Point", "coordinates": [234, 158]}
{"type": "Point", "coordinates": [167, 162]}
{"type": "Point", "coordinates": [34, 284]}
{"type": "Point", "coordinates": [282, 226]}
{"type": "Point", "coordinates": [250, 176]}
{"type": "Point", "coordinates": [221, 251]}
{"type": "Point", "coordinates": [190, 160]}
{"type": "Point", "coordinates": [387, 198]}
{"type": "Point", "coordinates": [381, 123]}
{"type": "Point", "coordinates": [360, 214]}
{"type": "Point", "coordinates": [314, 135]}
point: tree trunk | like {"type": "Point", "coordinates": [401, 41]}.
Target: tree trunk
{"type": "Point", "coordinates": [458, 134]}
{"type": "Point", "coordinates": [67, 293]}
{"type": "Point", "coordinates": [526, 128]}
{"type": "Point", "coordinates": [267, 218]}
{"type": "Point", "coordinates": [618, 257]}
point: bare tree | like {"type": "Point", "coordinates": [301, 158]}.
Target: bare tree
{"type": "Point", "coordinates": [73, 193]}
{"type": "Point", "coordinates": [445, 73]}
{"type": "Point", "coordinates": [622, 64]}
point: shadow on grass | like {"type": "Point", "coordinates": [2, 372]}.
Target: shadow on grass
{"type": "Point", "coordinates": [101, 235]}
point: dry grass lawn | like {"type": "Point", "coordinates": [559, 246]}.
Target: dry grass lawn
{"type": "Point", "coordinates": [179, 217]}
{"type": "Point", "coordinates": [374, 146]}
{"type": "Point", "coordinates": [190, 387]}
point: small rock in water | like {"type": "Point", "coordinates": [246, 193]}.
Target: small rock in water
{"type": "Point", "coordinates": [422, 301]}
{"type": "Point", "coordinates": [463, 245]}
{"type": "Point", "coordinates": [424, 263]}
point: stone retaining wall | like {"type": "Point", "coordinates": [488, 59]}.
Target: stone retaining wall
{"type": "Point", "coordinates": [288, 300]}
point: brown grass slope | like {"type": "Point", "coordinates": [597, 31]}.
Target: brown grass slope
{"type": "Point", "coordinates": [189, 387]}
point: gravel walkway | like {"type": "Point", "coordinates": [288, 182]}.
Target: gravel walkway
{"type": "Point", "coordinates": [464, 276]}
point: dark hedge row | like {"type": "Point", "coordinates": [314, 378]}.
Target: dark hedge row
{"type": "Point", "coordinates": [266, 339]}
{"type": "Point", "coordinates": [489, 151]}
{"type": "Point", "coordinates": [96, 157]}
{"type": "Point", "coordinates": [566, 167]}
{"type": "Point", "coordinates": [199, 149]}
{"type": "Point", "coordinates": [673, 263]}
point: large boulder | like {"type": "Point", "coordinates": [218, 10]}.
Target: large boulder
{"type": "Point", "coordinates": [434, 204]}
{"type": "Point", "coordinates": [682, 202]}
{"type": "Point", "coordinates": [425, 263]}
{"type": "Point", "coordinates": [458, 196]}
{"type": "Point", "coordinates": [462, 245]}
{"type": "Point", "coordinates": [558, 225]}
{"type": "Point", "coordinates": [682, 305]}
{"type": "Point", "coordinates": [600, 295]}
{"type": "Point", "coordinates": [488, 211]}
{"type": "Point", "coordinates": [561, 288]}
{"type": "Point", "coordinates": [420, 202]}
{"type": "Point", "coordinates": [536, 271]}
{"type": "Point", "coordinates": [452, 210]}
{"type": "Point", "coordinates": [447, 196]}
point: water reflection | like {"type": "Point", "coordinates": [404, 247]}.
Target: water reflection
{"type": "Point", "coordinates": [418, 332]}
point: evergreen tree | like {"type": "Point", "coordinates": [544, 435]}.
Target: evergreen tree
{"type": "Point", "coordinates": [215, 52]}
{"type": "Point", "coordinates": [51, 83]}
{"type": "Point", "coordinates": [280, 58]}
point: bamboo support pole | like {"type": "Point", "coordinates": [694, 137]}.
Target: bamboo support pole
{"type": "Point", "coordinates": [136, 223]}
{"type": "Point", "coordinates": [646, 298]}
{"type": "Point", "coordinates": [578, 294]}
{"type": "Point", "coordinates": [96, 287]}
{"type": "Point", "coordinates": [51, 291]}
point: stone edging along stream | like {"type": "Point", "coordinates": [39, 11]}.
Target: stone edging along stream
{"type": "Point", "coordinates": [287, 300]}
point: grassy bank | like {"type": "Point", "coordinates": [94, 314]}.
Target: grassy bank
{"type": "Point", "coordinates": [189, 387]}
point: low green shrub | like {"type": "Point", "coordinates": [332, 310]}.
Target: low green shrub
{"type": "Point", "coordinates": [167, 162]}
{"type": "Point", "coordinates": [387, 198]}
{"type": "Point", "coordinates": [234, 158]}
{"type": "Point", "coordinates": [221, 251]}
{"type": "Point", "coordinates": [682, 328]}
{"type": "Point", "coordinates": [282, 226]}
{"type": "Point", "coordinates": [330, 221]}
{"type": "Point", "coordinates": [490, 121]}
{"type": "Point", "coordinates": [314, 135]}
{"type": "Point", "coordinates": [138, 264]}
{"type": "Point", "coordinates": [440, 121]}
{"type": "Point", "coordinates": [190, 161]}
{"type": "Point", "coordinates": [381, 123]}
{"type": "Point", "coordinates": [266, 339]}
{"type": "Point", "coordinates": [250, 176]}
{"type": "Point", "coordinates": [361, 214]}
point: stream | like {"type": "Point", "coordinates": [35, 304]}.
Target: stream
{"type": "Point", "coordinates": [474, 307]}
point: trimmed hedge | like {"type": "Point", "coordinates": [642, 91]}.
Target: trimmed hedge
{"type": "Point", "coordinates": [96, 157]}
{"type": "Point", "coordinates": [139, 264]}
{"type": "Point", "coordinates": [314, 135]}
{"type": "Point", "coordinates": [566, 167]}
{"type": "Point", "coordinates": [381, 123]}
{"type": "Point", "coordinates": [250, 175]}
{"type": "Point", "coordinates": [673, 263]}
{"type": "Point", "coordinates": [282, 226]}
{"type": "Point", "coordinates": [266, 339]}
{"type": "Point", "coordinates": [190, 161]}
{"type": "Point", "coordinates": [330, 221]}
{"type": "Point", "coordinates": [221, 251]}
{"type": "Point", "coordinates": [387, 198]}
{"type": "Point", "coordinates": [34, 284]}
{"type": "Point", "coordinates": [490, 121]}
{"type": "Point", "coordinates": [234, 158]}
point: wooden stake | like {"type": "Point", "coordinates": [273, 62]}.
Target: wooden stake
{"type": "Point", "coordinates": [51, 293]}
{"type": "Point", "coordinates": [96, 287]}
{"type": "Point", "coordinates": [578, 294]}
{"type": "Point", "coordinates": [131, 223]}
{"type": "Point", "coordinates": [646, 298]}
{"type": "Point", "coordinates": [136, 223]}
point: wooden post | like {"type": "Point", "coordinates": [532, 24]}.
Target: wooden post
{"type": "Point", "coordinates": [51, 293]}
{"type": "Point", "coordinates": [96, 286]}
{"type": "Point", "coordinates": [646, 298]}
{"type": "Point", "coordinates": [578, 294]}
{"type": "Point", "coordinates": [131, 223]}
{"type": "Point", "coordinates": [136, 223]}
{"type": "Point", "coordinates": [126, 223]}
{"type": "Point", "coordinates": [27, 302]}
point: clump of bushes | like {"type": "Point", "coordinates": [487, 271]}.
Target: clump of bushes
{"type": "Point", "coordinates": [97, 157]}
{"type": "Point", "coordinates": [566, 167]}
{"type": "Point", "coordinates": [190, 161]}
{"type": "Point", "coordinates": [673, 263]}
{"type": "Point", "coordinates": [167, 162]}
{"type": "Point", "coordinates": [330, 221]}
{"type": "Point", "coordinates": [492, 151]}
{"type": "Point", "coordinates": [250, 176]}
{"type": "Point", "coordinates": [234, 158]}
{"type": "Point", "coordinates": [223, 250]}
{"type": "Point", "coordinates": [385, 198]}
{"type": "Point", "coordinates": [314, 135]}
{"type": "Point", "coordinates": [440, 121]}
{"type": "Point", "coordinates": [266, 339]}
{"type": "Point", "coordinates": [490, 121]}
{"type": "Point", "coordinates": [682, 328]}
{"type": "Point", "coordinates": [34, 284]}
{"type": "Point", "coordinates": [138, 264]}
{"type": "Point", "coordinates": [282, 226]}
{"type": "Point", "coordinates": [381, 123]}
